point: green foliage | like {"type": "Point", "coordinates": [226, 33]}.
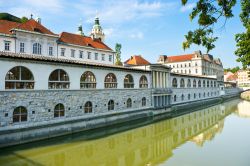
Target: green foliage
{"type": "Point", "coordinates": [118, 54]}
{"type": "Point", "coordinates": [9, 17]}
{"type": "Point", "coordinates": [24, 19]}
{"type": "Point", "coordinates": [233, 70]}
{"type": "Point", "coordinates": [208, 13]}
{"type": "Point", "coordinates": [243, 39]}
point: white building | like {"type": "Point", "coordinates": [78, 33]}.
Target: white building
{"type": "Point", "coordinates": [196, 64]}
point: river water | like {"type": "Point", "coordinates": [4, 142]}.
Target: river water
{"type": "Point", "coordinates": [215, 136]}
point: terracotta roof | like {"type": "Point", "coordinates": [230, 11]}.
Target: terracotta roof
{"type": "Point", "coordinates": [136, 60]}
{"type": "Point", "coordinates": [76, 39]}
{"type": "Point", "coordinates": [6, 26]}
{"type": "Point", "coordinates": [180, 58]}
{"type": "Point", "coordinates": [47, 59]}
{"type": "Point", "coordinates": [34, 26]}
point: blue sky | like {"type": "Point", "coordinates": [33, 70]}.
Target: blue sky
{"type": "Point", "coordinates": [148, 28]}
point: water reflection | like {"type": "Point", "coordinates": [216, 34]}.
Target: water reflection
{"type": "Point", "coordinates": [148, 145]}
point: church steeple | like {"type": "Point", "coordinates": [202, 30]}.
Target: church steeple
{"type": "Point", "coordinates": [97, 31]}
{"type": "Point", "coordinates": [80, 30]}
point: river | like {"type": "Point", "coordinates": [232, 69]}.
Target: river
{"type": "Point", "coordinates": [214, 136]}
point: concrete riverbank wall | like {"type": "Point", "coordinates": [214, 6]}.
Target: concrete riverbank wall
{"type": "Point", "coordinates": [44, 130]}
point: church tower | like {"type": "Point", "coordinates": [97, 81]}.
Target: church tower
{"type": "Point", "coordinates": [97, 31]}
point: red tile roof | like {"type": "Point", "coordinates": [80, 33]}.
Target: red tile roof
{"type": "Point", "coordinates": [6, 26]}
{"type": "Point", "coordinates": [137, 60]}
{"type": "Point", "coordinates": [76, 39]}
{"type": "Point", "coordinates": [34, 26]}
{"type": "Point", "coordinates": [180, 58]}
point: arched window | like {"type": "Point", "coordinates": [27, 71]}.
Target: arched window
{"type": "Point", "coordinates": [204, 83]}
{"type": "Point", "coordinates": [199, 83]}
{"type": "Point", "coordinates": [194, 83]}
{"type": "Point", "coordinates": [208, 94]}
{"type": "Point", "coordinates": [207, 83]}
{"type": "Point", "coordinates": [37, 48]}
{"type": "Point", "coordinates": [129, 103]}
{"type": "Point", "coordinates": [59, 110]}
{"type": "Point", "coordinates": [182, 97]}
{"type": "Point", "coordinates": [143, 82]}
{"type": "Point", "coordinates": [110, 81]}
{"type": "Point", "coordinates": [199, 95]}
{"type": "Point", "coordinates": [59, 79]}
{"type": "Point", "coordinates": [88, 80]}
{"type": "Point", "coordinates": [20, 114]}
{"type": "Point", "coordinates": [194, 96]}
{"type": "Point", "coordinates": [211, 84]}
{"type": "Point", "coordinates": [174, 83]}
{"type": "Point", "coordinates": [19, 77]}
{"type": "Point", "coordinates": [88, 107]}
{"type": "Point", "coordinates": [204, 95]}
{"type": "Point", "coordinates": [143, 101]}
{"type": "Point", "coordinates": [189, 96]}
{"type": "Point", "coordinates": [111, 105]}
{"type": "Point", "coordinates": [182, 84]}
{"type": "Point", "coordinates": [128, 81]}
{"type": "Point", "coordinates": [214, 84]}
{"type": "Point", "coordinates": [175, 98]}
{"type": "Point", "coordinates": [189, 83]}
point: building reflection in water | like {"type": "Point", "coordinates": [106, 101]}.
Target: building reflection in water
{"type": "Point", "coordinates": [148, 145]}
{"type": "Point", "coordinates": [244, 109]}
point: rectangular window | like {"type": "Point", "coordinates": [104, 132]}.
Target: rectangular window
{"type": "Point", "coordinates": [96, 56]}
{"type": "Point", "coordinates": [103, 57]}
{"type": "Point", "coordinates": [50, 50]}
{"type": "Point", "coordinates": [62, 51]}
{"type": "Point", "coordinates": [80, 54]}
{"type": "Point", "coordinates": [6, 45]}
{"type": "Point", "coordinates": [89, 55]}
{"type": "Point", "coordinates": [22, 47]}
{"type": "Point", "coordinates": [72, 53]}
{"type": "Point", "coordinates": [110, 58]}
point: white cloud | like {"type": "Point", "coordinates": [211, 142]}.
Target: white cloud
{"type": "Point", "coordinates": [137, 35]}
{"type": "Point", "coordinates": [187, 7]}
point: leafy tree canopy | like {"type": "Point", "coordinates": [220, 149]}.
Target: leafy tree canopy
{"type": "Point", "coordinates": [208, 13]}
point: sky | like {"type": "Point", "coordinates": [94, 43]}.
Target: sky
{"type": "Point", "coordinates": [148, 28]}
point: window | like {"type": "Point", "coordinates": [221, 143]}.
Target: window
{"type": "Point", "coordinates": [103, 57]}
{"type": "Point", "coordinates": [196, 71]}
{"type": "Point", "coordinates": [89, 55]}
{"type": "Point", "coordinates": [194, 96]}
{"type": "Point", "coordinates": [50, 50]}
{"type": "Point", "coordinates": [143, 101]}
{"type": "Point", "coordinates": [80, 54]}
{"type": "Point", "coordinates": [189, 71]}
{"type": "Point", "coordinates": [143, 82]}
{"type": "Point", "coordinates": [204, 83]}
{"type": "Point", "coordinates": [189, 83]}
{"type": "Point", "coordinates": [189, 96]}
{"type": "Point", "coordinates": [110, 81]}
{"type": "Point", "coordinates": [199, 83]}
{"type": "Point", "coordinates": [175, 98]}
{"type": "Point", "coordinates": [19, 77]}
{"type": "Point", "coordinates": [20, 114]}
{"type": "Point", "coordinates": [194, 84]}
{"type": "Point", "coordinates": [6, 45]}
{"type": "Point", "coordinates": [214, 84]}
{"type": "Point", "coordinates": [129, 103]}
{"type": "Point", "coordinates": [128, 81]}
{"type": "Point", "coordinates": [174, 83]}
{"type": "Point", "coordinates": [62, 51]}
{"type": "Point", "coordinates": [111, 105]}
{"type": "Point", "coordinates": [189, 64]}
{"type": "Point", "coordinates": [22, 47]}
{"type": "Point", "coordinates": [96, 56]}
{"type": "Point", "coordinates": [72, 53]}
{"type": "Point", "coordinates": [59, 110]}
{"type": "Point", "coordinates": [88, 107]}
{"type": "Point", "coordinates": [204, 95]}
{"type": "Point", "coordinates": [207, 83]}
{"type": "Point", "coordinates": [211, 84]}
{"type": "Point", "coordinates": [182, 97]}
{"type": "Point", "coordinates": [182, 84]}
{"type": "Point", "coordinates": [88, 80]}
{"type": "Point", "coordinates": [110, 58]}
{"type": "Point", "coordinates": [37, 48]}
{"type": "Point", "coordinates": [196, 64]}
{"type": "Point", "coordinates": [59, 79]}
{"type": "Point", "coordinates": [199, 95]}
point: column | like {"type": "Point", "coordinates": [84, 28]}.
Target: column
{"type": "Point", "coordinates": [153, 79]}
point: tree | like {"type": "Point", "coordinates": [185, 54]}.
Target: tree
{"type": "Point", "coordinates": [118, 54]}
{"type": "Point", "coordinates": [208, 13]}
{"type": "Point", "coordinates": [24, 19]}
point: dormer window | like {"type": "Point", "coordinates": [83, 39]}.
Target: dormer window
{"type": "Point", "coordinates": [50, 51]}
{"type": "Point", "coordinates": [22, 47]}
{"type": "Point", "coordinates": [37, 30]}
